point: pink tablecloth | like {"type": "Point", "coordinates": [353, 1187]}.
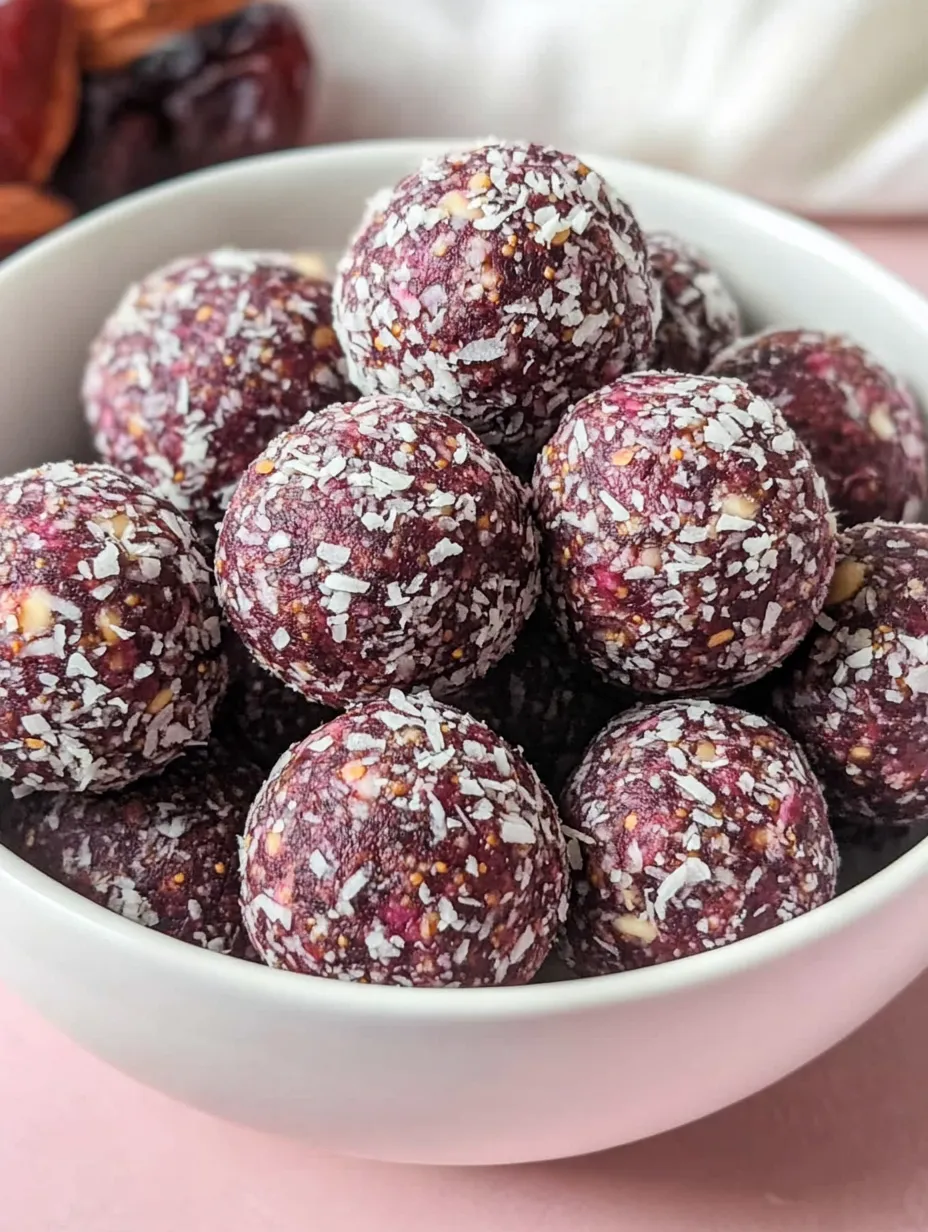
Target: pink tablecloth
{"type": "Point", "coordinates": [841, 1147]}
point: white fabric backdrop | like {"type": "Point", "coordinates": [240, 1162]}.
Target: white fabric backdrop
{"type": "Point", "coordinates": [817, 104]}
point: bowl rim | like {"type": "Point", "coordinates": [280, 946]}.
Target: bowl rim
{"type": "Point", "coordinates": [557, 998]}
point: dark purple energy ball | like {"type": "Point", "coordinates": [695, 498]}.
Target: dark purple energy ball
{"type": "Point", "coordinates": [377, 544]}
{"type": "Point", "coordinates": [405, 843]}
{"type": "Point", "coordinates": [110, 659]}
{"type": "Point", "coordinates": [859, 423]}
{"type": "Point", "coordinates": [542, 699]}
{"type": "Point", "coordinates": [163, 853]}
{"type": "Point", "coordinates": [690, 825]}
{"type": "Point", "coordinates": [688, 536]}
{"type": "Point", "coordinates": [698, 313]}
{"type": "Point", "coordinates": [260, 717]}
{"type": "Point", "coordinates": [858, 697]}
{"type": "Point", "coordinates": [499, 283]}
{"type": "Point", "coordinates": [202, 363]}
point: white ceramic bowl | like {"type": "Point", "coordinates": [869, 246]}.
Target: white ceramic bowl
{"type": "Point", "coordinates": [441, 1076]}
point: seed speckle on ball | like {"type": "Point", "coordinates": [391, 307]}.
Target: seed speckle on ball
{"type": "Point", "coordinates": [163, 853]}
{"type": "Point", "coordinates": [110, 659]}
{"type": "Point", "coordinates": [688, 536]}
{"type": "Point", "coordinates": [699, 316]}
{"type": "Point", "coordinates": [405, 843]}
{"type": "Point", "coordinates": [499, 283]}
{"type": "Point", "coordinates": [202, 363]}
{"type": "Point", "coordinates": [858, 421]}
{"type": "Point", "coordinates": [690, 825]}
{"type": "Point", "coordinates": [857, 699]}
{"type": "Point", "coordinates": [377, 544]}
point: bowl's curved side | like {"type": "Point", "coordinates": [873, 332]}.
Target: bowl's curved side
{"type": "Point", "coordinates": [451, 1086]}
{"type": "Point", "coordinates": [451, 1076]}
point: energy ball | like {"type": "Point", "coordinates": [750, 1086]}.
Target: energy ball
{"type": "Point", "coordinates": [377, 544]}
{"type": "Point", "coordinates": [163, 853]}
{"type": "Point", "coordinates": [260, 717]}
{"type": "Point", "coordinates": [859, 423]}
{"type": "Point", "coordinates": [544, 700]}
{"type": "Point", "coordinates": [699, 316]}
{"type": "Point", "coordinates": [690, 825]}
{"type": "Point", "coordinates": [110, 659]}
{"type": "Point", "coordinates": [499, 283]}
{"type": "Point", "coordinates": [858, 698]}
{"type": "Point", "coordinates": [688, 536]}
{"type": "Point", "coordinates": [405, 843]}
{"type": "Point", "coordinates": [202, 363]}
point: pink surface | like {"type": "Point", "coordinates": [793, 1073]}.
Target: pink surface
{"type": "Point", "coordinates": [840, 1147]}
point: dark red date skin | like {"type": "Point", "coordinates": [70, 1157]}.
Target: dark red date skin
{"type": "Point", "coordinates": [38, 85]}
{"type": "Point", "coordinates": [227, 90]}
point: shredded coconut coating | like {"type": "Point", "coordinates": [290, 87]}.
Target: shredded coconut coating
{"type": "Point", "coordinates": [542, 699]}
{"type": "Point", "coordinates": [260, 717]}
{"type": "Point", "coordinates": [699, 315]}
{"type": "Point", "coordinates": [110, 659]}
{"type": "Point", "coordinates": [202, 363]}
{"type": "Point", "coordinates": [858, 421]}
{"type": "Point", "coordinates": [499, 283]}
{"type": "Point", "coordinates": [405, 843]}
{"type": "Point", "coordinates": [163, 853]}
{"type": "Point", "coordinates": [377, 544]}
{"type": "Point", "coordinates": [690, 825]}
{"type": "Point", "coordinates": [688, 537]}
{"type": "Point", "coordinates": [857, 699]}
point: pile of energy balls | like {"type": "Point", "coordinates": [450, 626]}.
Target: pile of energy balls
{"type": "Point", "coordinates": [499, 599]}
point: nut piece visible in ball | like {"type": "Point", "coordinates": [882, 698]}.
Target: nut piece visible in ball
{"type": "Point", "coordinates": [405, 843]}
{"type": "Point", "coordinates": [858, 697]}
{"type": "Point", "coordinates": [260, 717]}
{"type": "Point", "coordinates": [699, 316]}
{"type": "Point", "coordinates": [110, 659]}
{"type": "Point", "coordinates": [858, 421]}
{"type": "Point", "coordinates": [163, 853]}
{"type": "Point", "coordinates": [377, 544]}
{"type": "Point", "coordinates": [500, 284]}
{"type": "Point", "coordinates": [543, 699]}
{"type": "Point", "coordinates": [202, 363]}
{"type": "Point", "coordinates": [690, 825]}
{"type": "Point", "coordinates": [688, 536]}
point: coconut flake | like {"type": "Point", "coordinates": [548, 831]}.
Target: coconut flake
{"type": "Point", "coordinates": [443, 549]}
{"type": "Point", "coordinates": [516, 830]}
{"type": "Point", "coordinates": [482, 351]}
{"type": "Point", "coordinates": [694, 789]}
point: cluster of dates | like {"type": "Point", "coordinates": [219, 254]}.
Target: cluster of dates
{"type": "Point", "coordinates": [99, 98]}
